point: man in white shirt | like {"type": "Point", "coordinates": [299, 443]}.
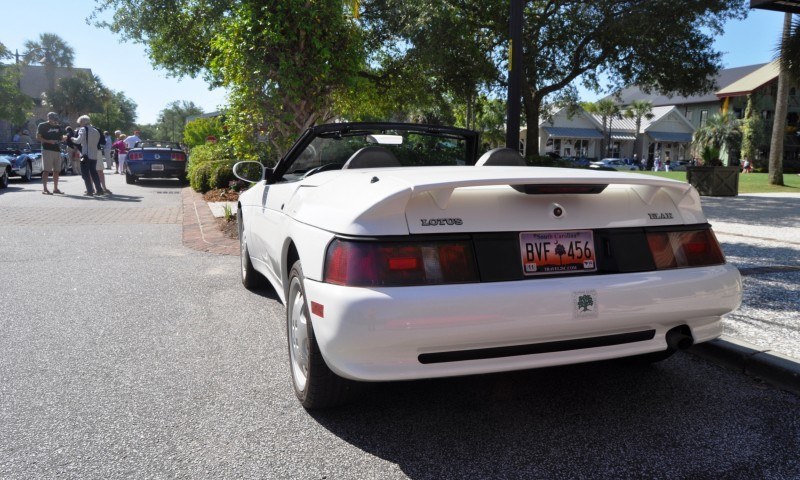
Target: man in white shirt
{"type": "Point", "coordinates": [133, 139]}
{"type": "Point", "coordinates": [89, 138]}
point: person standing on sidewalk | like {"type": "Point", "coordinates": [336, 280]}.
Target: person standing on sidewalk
{"type": "Point", "coordinates": [107, 151]}
{"type": "Point", "coordinates": [89, 139]}
{"type": "Point", "coordinates": [122, 153]}
{"type": "Point", "coordinates": [50, 133]}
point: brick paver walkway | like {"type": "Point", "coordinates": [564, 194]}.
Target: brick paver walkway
{"type": "Point", "coordinates": [200, 230]}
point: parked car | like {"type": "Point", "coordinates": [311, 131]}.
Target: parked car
{"type": "Point", "coordinates": [5, 171]}
{"type": "Point", "coordinates": [154, 159]}
{"type": "Point", "coordinates": [680, 165]}
{"type": "Point", "coordinates": [398, 259]}
{"type": "Point", "coordinates": [613, 164]}
{"type": "Point", "coordinates": [25, 163]}
{"type": "Point", "coordinates": [578, 161]}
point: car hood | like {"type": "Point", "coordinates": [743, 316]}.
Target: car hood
{"type": "Point", "coordinates": [431, 200]}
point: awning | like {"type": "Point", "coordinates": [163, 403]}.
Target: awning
{"type": "Point", "coordinates": [566, 132]}
{"type": "Point", "coordinates": [629, 137]}
{"type": "Point", "coordinates": [677, 137]}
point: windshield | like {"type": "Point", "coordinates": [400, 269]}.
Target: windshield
{"type": "Point", "coordinates": [411, 149]}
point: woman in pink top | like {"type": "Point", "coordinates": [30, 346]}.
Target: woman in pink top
{"type": "Point", "coordinates": [122, 152]}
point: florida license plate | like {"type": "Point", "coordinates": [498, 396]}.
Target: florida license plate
{"type": "Point", "coordinates": [549, 253]}
{"type": "Point", "coordinates": [157, 167]}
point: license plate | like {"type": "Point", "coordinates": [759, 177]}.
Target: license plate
{"type": "Point", "coordinates": [549, 253]}
{"type": "Point", "coordinates": [157, 167]}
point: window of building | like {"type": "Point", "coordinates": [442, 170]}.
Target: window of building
{"type": "Point", "coordinates": [689, 114]}
{"type": "Point", "coordinates": [703, 117]}
{"type": "Point", "coordinates": [582, 148]}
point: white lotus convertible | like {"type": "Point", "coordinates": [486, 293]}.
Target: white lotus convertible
{"type": "Point", "coordinates": [400, 254]}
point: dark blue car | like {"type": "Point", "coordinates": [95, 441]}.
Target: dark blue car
{"type": "Point", "coordinates": [153, 159]}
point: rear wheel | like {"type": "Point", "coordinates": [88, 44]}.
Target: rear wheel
{"type": "Point", "coordinates": [315, 385]}
{"type": "Point", "coordinates": [130, 179]}
{"type": "Point", "coordinates": [251, 279]}
{"type": "Point", "coordinates": [4, 179]}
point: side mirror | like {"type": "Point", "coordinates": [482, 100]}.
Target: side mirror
{"type": "Point", "coordinates": [251, 171]}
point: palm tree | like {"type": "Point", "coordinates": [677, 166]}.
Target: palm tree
{"type": "Point", "coordinates": [607, 110]}
{"type": "Point", "coordinates": [720, 133]}
{"type": "Point", "coordinates": [787, 47]}
{"type": "Point", "coordinates": [637, 110]}
{"type": "Point", "coordinates": [51, 51]}
{"type": "Point", "coordinates": [791, 50]}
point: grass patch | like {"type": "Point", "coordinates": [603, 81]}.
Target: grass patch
{"type": "Point", "coordinates": [748, 183]}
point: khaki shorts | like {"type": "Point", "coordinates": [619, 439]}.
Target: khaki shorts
{"type": "Point", "coordinates": [51, 161]}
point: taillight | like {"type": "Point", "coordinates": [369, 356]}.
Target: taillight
{"type": "Point", "coordinates": [133, 156]}
{"type": "Point", "coordinates": [178, 157]}
{"type": "Point", "coordinates": [694, 248]}
{"type": "Point", "coordinates": [372, 264]}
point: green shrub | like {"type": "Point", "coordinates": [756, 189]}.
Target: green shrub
{"type": "Point", "coordinates": [210, 166]}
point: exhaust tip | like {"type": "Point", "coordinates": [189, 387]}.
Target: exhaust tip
{"type": "Point", "coordinates": [680, 338]}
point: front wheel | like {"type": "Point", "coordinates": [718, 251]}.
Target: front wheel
{"type": "Point", "coordinates": [28, 172]}
{"type": "Point", "coordinates": [315, 385]}
{"type": "Point", "coordinates": [4, 180]}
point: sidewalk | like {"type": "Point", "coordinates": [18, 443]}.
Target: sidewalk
{"type": "Point", "coordinates": [760, 235]}
{"type": "Point", "coordinates": [200, 229]}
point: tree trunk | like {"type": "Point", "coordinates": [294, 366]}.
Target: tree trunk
{"type": "Point", "coordinates": [532, 105]}
{"type": "Point", "coordinates": [779, 125]}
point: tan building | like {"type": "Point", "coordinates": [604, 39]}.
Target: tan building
{"type": "Point", "coordinates": [33, 83]}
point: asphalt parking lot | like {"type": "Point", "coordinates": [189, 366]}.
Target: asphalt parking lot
{"type": "Point", "coordinates": [125, 354]}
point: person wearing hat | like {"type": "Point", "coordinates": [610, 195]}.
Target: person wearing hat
{"type": "Point", "coordinates": [25, 137]}
{"type": "Point", "coordinates": [50, 133]}
{"type": "Point", "coordinates": [89, 138]}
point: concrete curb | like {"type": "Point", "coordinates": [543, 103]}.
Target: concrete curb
{"type": "Point", "coordinates": [778, 370]}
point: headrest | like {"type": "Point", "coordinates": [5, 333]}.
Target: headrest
{"type": "Point", "coordinates": [372, 157]}
{"type": "Point", "coordinates": [506, 157]}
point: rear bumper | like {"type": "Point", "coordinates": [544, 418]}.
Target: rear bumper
{"type": "Point", "coordinates": [150, 169]}
{"type": "Point", "coordinates": [407, 333]}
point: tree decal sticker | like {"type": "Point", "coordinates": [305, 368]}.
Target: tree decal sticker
{"type": "Point", "coordinates": [584, 302]}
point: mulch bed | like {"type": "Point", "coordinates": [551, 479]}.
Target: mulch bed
{"type": "Point", "coordinates": [228, 227]}
{"type": "Point", "coordinates": [221, 195]}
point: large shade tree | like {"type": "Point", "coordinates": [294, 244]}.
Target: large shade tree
{"type": "Point", "coordinates": [655, 44]}
{"type": "Point", "coordinates": [282, 61]}
{"type": "Point", "coordinates": [50, 51]}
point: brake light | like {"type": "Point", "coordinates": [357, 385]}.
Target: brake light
{"type": "Point", "coordinates": [693, 248]}
{"type": "Point", "coordinates": [371, 264]}
{"type": "Point", "coordinates": [133, 156]}
{"type": "Point", "coordinates": [178, 157]}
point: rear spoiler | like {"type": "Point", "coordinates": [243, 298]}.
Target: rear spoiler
{"type": "Point", "coordinates": [646, 187]}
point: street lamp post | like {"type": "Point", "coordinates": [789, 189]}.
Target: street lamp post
{"type": "Point", "coordinates": [514, 73]}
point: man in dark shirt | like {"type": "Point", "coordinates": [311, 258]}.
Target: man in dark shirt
{"type": "Point", "coordinates": [50, 133]}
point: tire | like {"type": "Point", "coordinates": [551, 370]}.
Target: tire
{"type": "Point", "coordinates": [4, 180]}
{"type": "Point", "coordinates": [130, 179]}
{"type": "Point", "coordinates": [315, 385]}
{"type": "Point", "coordinates": [251, 279]}
{"type": "Point", "coordinates": [28, 172]}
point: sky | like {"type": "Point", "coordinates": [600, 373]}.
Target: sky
{"type": "Point", "coordinates": [124, 67]}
